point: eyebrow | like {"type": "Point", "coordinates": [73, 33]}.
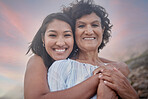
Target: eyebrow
{"type": "Point", "coordinates": [81, 22]}
{"type": "Point", "coordinates": [67, 31]}
{"type": "Point", "coordinates": [97, 21]}
{"type": "Point", "coordinates": [51, 31]}
{"type": "Point", "coordinates": [56, 31]}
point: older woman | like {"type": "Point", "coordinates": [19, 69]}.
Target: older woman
{"type": "Point", "coordinates": [92, 32]}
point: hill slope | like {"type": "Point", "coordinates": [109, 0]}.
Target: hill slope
{"type": "Point", "coordinates": [139, 74]}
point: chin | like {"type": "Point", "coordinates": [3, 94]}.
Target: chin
{"type": "Point", "coordinates": [60, 58]}
{"type": "Point", "coordinates": [91, 47]}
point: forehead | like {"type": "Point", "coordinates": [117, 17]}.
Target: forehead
{"type": "Point", "coordinates": [58, 23]}
{"type": "Point", "coordinates": [89, 17]}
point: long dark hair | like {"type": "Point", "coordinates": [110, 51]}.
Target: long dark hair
{"type": "Point", "coordinates": [36, 45]}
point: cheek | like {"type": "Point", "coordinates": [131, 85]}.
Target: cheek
{"type": "Point", "coordinates": [99, 33]}
{"type": "Point", "coordinates": [77, 35]}
{"type": "Point", "coordinates": [49, 42]}
{"type": "Point", "coordinates": [70, 41]}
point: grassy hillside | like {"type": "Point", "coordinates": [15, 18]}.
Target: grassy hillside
{"type": "Point", "coordinates": [141, 60]}
{"type": "Point", "coordinates": [139, 74]}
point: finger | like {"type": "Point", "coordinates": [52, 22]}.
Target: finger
{"type": "Point", "coordinates": [111, 72]}
{"type": "Point", "coordinates": [110, 85]}
{"type": "Point", "coordinates": [101, 81]}
{"type": "Point", "coordinates": [107, 72]}
{"type": "Point", "coordinates": [106, 78]}
{"type": "Point", "coordinates": [109, 66]}
{"type": "Point", "coordinates": [100, 75]}
{"type": "Point", "coordinates": [117, 72]}
{"type": "Point", "coordinates": [111, 76]}
{"type": "Point", "coordinates": [98, 70]}
{"type": "Point", "coordinates": [114, 79]}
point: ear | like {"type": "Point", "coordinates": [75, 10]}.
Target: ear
{"type": "Point", "coordinates": [103, 29]}
{"type": "Point", "coordinates": [43, 39]}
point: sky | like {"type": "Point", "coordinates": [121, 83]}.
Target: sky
{"type": "Point", "coordinates": [21, 19]}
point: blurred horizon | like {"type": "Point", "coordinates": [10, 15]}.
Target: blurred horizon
{"type": "Point", "coordinates": [20, 20]}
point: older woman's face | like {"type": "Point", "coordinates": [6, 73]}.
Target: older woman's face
{"type": "Point", "coordinates": [89, 32]}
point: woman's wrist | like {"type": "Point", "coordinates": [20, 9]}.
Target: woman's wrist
{"type": "Point", "coordinates": [96, 78]}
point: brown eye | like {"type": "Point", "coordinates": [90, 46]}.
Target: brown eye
{"type": "Point", "coordinates": [67, 35]}
{"type": "Point", "coordinates": [81, 26]}
{"type": "Point", "coordinates": [95, 25]}
{"type": "Point", "coordinates": [52, 35]}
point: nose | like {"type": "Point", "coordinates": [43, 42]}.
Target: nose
{"type": "Point", "coordinates": [89, 30]}
{"type": "Point", "coordinates": [60, 42]}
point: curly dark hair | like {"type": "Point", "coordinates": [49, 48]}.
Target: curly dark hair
{"type": "Point", "coordinates": [36, 45]}
{"type": "Point", "coordinates": [85, 7]}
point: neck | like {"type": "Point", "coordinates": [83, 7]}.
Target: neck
{"type": "Point", "coordinates": [90, 57]}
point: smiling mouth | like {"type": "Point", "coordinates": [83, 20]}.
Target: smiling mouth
{"type": "Point", "coordinates": [60, 50]}
{"type": "Point", "coordinates": [89, 38]}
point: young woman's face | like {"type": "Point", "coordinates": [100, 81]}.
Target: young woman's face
{"type": "Point", "coordinates": [58, 39]}
{"type": "Point", "coordinates": [88, 32]}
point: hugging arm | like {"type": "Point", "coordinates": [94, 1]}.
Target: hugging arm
{"type": "Point", "coordinates": [36, 86]}
{"type": "Point", "coordinates": [104, 92]}
{"type": "Point", "coordinates": [102, 88]}
{"type": "Point", "coordinates": [115, 80]}
{"type": "Point", "coordinates": [115, 77]}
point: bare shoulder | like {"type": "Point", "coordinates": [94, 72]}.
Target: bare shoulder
{"type": "Point", "coordinates": [35, 68]}
{"type": "Point", "coordinates": [35, 62]}
{"type": "Point", "coordinates": [35, 59]}
{"type": "Point", "coordinates": [35, 65]}
{"type": "Point", "coordinates": [121, 66]}
{"type": "Point", "coordinates": [35, 80]}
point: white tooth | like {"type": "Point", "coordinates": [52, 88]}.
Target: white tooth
{"type": "Point", "coordinates": [60, 50]}
{"type": "Point", "coordinates": [89, 38]}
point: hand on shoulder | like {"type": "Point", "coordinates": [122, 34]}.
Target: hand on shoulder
{"type": "Point", "coordinates": [121, 66]}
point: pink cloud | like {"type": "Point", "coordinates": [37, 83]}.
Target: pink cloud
{"type": "Point", "coordinates": [127, 20]}
{"type": "Point", "coordinates": [13, 19]}
{"type": "Point", "coordinates": [114, 2]}
{"type": "Point", "coordinates": [13, 55]}
{"type": "Point", "coordinates": [128, 32]}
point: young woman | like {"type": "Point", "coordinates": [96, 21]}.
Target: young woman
{"type": "Point", "coordinates": [53, 41]}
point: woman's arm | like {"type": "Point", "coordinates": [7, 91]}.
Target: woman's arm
{"type": "Point", "coordinates": [118, 82]}
{"type": "Point", "coordinates": [36, 86]}
{"type": "Point", "coordinates": [35, 81]}
{"type": "Point", "coordinates": [104, 92]}
{"type": "Point", "coordinates": [103, 89]}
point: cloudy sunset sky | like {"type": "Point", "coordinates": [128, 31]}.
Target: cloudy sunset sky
{"type": "Point", "coordinates": [21, 19]}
